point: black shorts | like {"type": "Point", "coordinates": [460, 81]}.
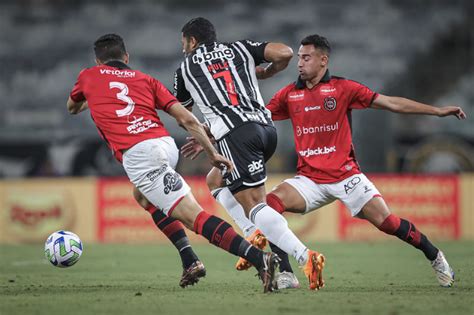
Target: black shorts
{"type": "Point", "coordinates": [248, 146]}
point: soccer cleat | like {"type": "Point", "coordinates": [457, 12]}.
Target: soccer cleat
{"type": "Point", "coordinates": [444, 273]}
{"type": "Point", "coordinates": [258, 240]}
{"type": "Point", "coordinates": [287, 280]}
{"type": "Point", "coordinates": [267, 272]}
{"type": "Point", "coordinates": [192, 274]}
{"type": "Point", "coordinates": [313, 270]}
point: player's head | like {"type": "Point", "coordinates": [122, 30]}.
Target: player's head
{"type": "Point", "coordinates": [313, 56]}
{"type": "Point", "coordinates": [110, 47]}
{"type": "Point", "coordinates": [195, 32]}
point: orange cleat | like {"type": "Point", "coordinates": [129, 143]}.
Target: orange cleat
{"type": "Point", "coordinates": [258, 240]}
{"type": "Point", "coordinates": [313, 270]}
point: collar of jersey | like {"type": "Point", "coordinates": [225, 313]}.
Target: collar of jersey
{"type": "Point", "coordinates": [300, 84]}
{"type": "Point", "coordinates": [117, 64]}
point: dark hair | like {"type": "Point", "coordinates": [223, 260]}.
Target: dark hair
{"type": "Point", "coordinates": [318, 42]}
{"type": "Point", "coordinates": [201, 29]}
{"type": "Point", "coordinates": [109, 47]}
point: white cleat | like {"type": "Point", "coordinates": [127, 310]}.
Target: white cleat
{"type": "Point", "coordinates": [287, 280]}
{"type": "Point", "coordinates": [444, 273]}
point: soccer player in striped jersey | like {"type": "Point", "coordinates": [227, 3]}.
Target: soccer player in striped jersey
{"type": "Point", "coordinates": [221, 79]}
{"type": "Point", "coordinates": [123, 103]}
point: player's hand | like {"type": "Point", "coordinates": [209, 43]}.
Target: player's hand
{"type": "Point", "coordinates": [260, 72]}
{"type": "Point", "coordinates": [452, 111]}
{"type": "Point", "coordinates": [222, 163]}
{"type": "Point", "coordinates": [191, 149]}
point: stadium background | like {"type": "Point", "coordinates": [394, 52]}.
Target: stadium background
{"type": "Point", "coordinates": [57, 174]}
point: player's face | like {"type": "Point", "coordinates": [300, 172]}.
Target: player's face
{"type": "Point", "coordinates": [310, 62]}
{"type": "Point", "coordinates": [187, 46]}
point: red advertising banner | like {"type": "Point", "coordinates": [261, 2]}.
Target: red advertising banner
{"type": "Point", "coordinates": [430, 202]}
{"type": "Point", "coordinates": [121, 219]}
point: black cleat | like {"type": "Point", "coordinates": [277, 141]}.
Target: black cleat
{"type": "Point", "coordinates": [192, 274]}
{"type": "Point", "coordinates": [267, 272]}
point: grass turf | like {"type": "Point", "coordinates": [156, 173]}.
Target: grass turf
{"type": "Point", "coordinates": [361, 278]}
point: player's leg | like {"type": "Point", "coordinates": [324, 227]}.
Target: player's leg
{"type": "Point", "coordinates": [249, 147]}
{"type": "Point", "coordinates": [221, 234]}
{"type": "Point", "coordinates": [193, 269]}
{"type": "Point", "coordinates": [377, 213]}
{"type": "Point", "coordinates": [223, 195]}
{"type": "Point", "coordinates": [285, 197]}
{"type": "Point", "coordinates": [363, 199]}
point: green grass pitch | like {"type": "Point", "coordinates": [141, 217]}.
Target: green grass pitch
{"type": "Point", "coordinates": [361, 278]}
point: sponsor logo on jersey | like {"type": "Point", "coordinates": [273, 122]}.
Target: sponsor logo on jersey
{"type": "Point", "coordinates": [327, 90]}
{"type": "Point", "coordinates": [253, 43]}
{"type": "Point", "coordinates": [317, 151]}
{"type": "Point", "coordinates": [302, 130]}
{"type": "Point", "coordinates": [310, 108]}
{"type": "Point", "coordinates": [118, 73]}
{"type": "Point", "coordinates": [139, 125]}
{"type": "Point", "coordinates": [330, 103]}
{"type": "Point", "coordinates": [351, 184]}
{"type": "Point", "coordinates": [255, 167]}
{"type": "Point", "coordinates": [295, 96]}
{"type": "Point", "coordinates": [226, 53]}
{"type": "Point", "coordinates": [172, 182]}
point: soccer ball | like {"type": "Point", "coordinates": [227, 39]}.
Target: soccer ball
{"type": "Point", "coordinates": [63, 249]}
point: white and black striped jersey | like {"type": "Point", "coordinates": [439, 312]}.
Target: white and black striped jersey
{"type": "Point", "coordinates": [220, 78]}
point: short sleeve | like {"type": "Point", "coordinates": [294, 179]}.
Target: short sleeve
{"type": "Point", "coordinates": [278, 105]}
{"type": "Point", "coordinates": [180, 91]}
{"type": "Point", "coordinates": [163, 97]}
{"type": "Point", "coordinates": [77, 95]}
{"type": "Point", "coordinates": [362, 96]}
{"type": "Point", "coordinates": [256, 49]}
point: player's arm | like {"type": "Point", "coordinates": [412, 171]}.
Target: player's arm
{"type": "Point", "coordinates": [279, 56]}
{"type": "Point", "coordinates": [76, 107]}
{"type": "Point", "coordinates": [194, 127]}
{"type": "Point", "coordinates": [406, 106]}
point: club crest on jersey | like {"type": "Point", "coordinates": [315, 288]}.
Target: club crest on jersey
{"type": "Point", "coordinates": [330, 103]}
{"type": "Point", "coordinates": [172, 182]}
{"type": "Point", "coordinates": [226, 53]}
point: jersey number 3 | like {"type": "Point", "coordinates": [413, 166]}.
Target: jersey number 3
{"type": "Point", "coordinates": [123, 96]}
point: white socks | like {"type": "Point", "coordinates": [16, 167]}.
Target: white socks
{"type": "Point", "coordinates": [275, 227]}
{"type": "Point", "coordinates": [234, 209]}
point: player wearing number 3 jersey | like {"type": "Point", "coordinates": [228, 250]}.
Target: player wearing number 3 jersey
{"type": "Point", "coordinates": [123, 104]}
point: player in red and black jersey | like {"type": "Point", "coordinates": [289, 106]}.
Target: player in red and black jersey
{"type": "Point", "coordinates": [123, 104]}
{"type": "Point", "coordinates": [319, 107]}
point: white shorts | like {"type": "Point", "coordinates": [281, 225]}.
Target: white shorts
{"type": "Point", "coordinates": [354, 192]}
{"type": "Point", "coordinates": [150, 167]}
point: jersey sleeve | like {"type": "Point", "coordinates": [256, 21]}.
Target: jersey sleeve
{"type": "Point", "coordinates": [77, 95]}
{"type": "Point", "coordinates": [180, 91]}
{"type": "Point", "coordinates": [278, 105]}
{"type": "Point", "coordinates": [362, 96]}
{"type": "Point", "coordinates": [163, 97]}
{"type": "Point", "coordinates": [256, 49]}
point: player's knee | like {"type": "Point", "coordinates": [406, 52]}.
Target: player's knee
{"type": "Point", "coordinates": [214, 179]}
{"type": "Point", "coordinates": [274, 201]}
